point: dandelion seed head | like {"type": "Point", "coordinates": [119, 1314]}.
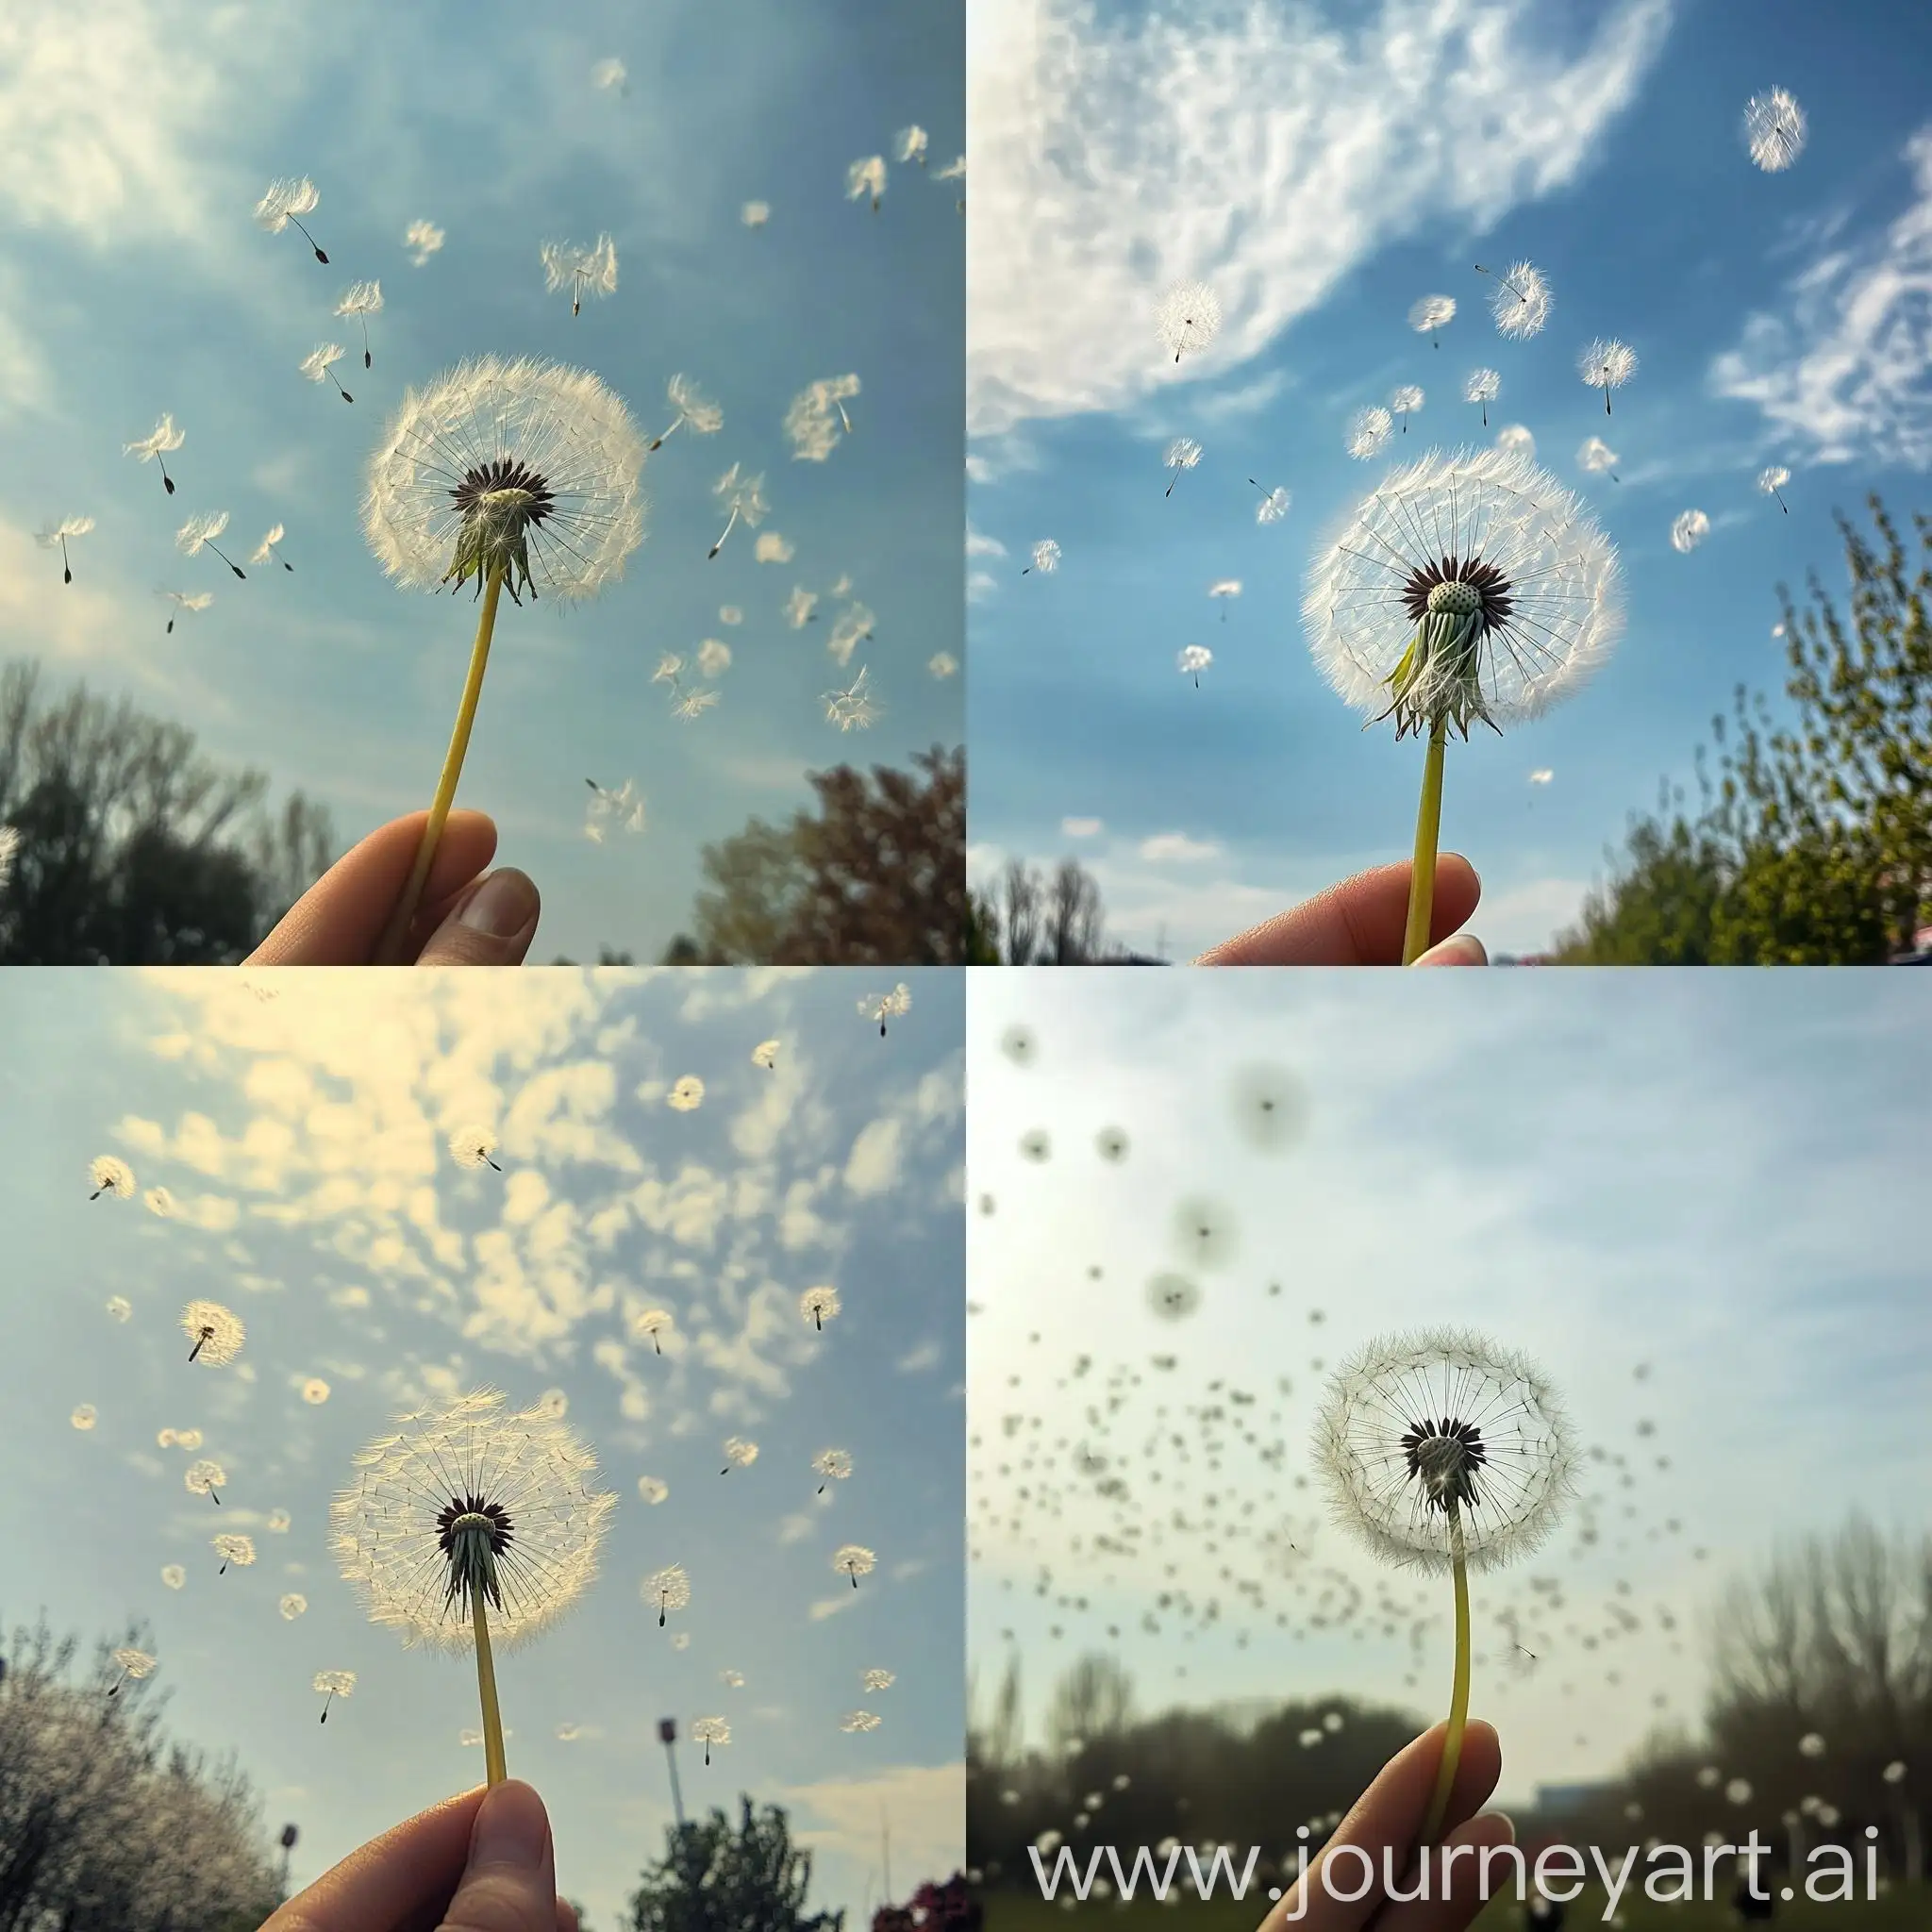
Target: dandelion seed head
{"type": "Point", "coordinates": [279, 1522]}
{"type": "Point", "coordinates": [360, 298]}
{"type": "Point", "coordinates": [1607, 363]}
{"type": "Point", "coordinates": [1187, 317]}
{"type": "Point", "coordinates": [819, 1304]}
{"type": "Point", "coordinates": [732, 1680]}
{"type": "Point", "coordinates": [668, 1589]}
{"type": "Point", "coordinates": [1046, 556]}
{"type": "Point", "coordinates": [1521, 303]}
{"type": "Point", "coordinates": [1406, 400]}
{"type": "Point", "coordinates": [1273, 507]}
{"type": "Point", "coordinates": [122, 1308]}
{"type": "Point", "coordinates": [1811, 1745]}
{"type": "Point", "coordinates": [941, 664]}
{"type": "Point", "coordinates": [887, 1005]}
{"type": "Point", "coordinates": [740, 1452]}
{"type": "Point", "coordinates": [765, 1054]}
{"type": "Point", "coordinates": [465, 1503]}
{"type": "Point", "coordinates": [472, 1146]}
{"type": "Point", "coordinates": [755, 214]}
{"type": "Point", "coordinates": [714, 655]}
{"type": "Point", "coordinates": [333, 1683]}
{"type": "Point", "coordinates": [651, 1321]}
{"type": "Point", "coordinates": [85, 1415]}
{"type": "Point", "coordinates": [1774, 480]}
{"type": "Point", "coordinates": [162, 439]}
{"type": "Point", "coordinates": [799, 606]}
{"type": "Point", "coordinates": [1467, 586]}
{"type": "Point", "coordinates": [423, 240]}
{"type": "Point", "coordinates": [1481, 386]}
{"type": "Point", "coordinates": [711, 1730]}
{"type": "Point", "coordinates": [287, 198]}
{"type": "Point", "coordinates": [1431, 312]}
{"type": "Point", "coordinates": [216, 1331]}
{"type": "Point", "coordinates": [1368, 430]}
{"type": "Point", "coordinates": [583, 268]}
{"type": "Point", "coordinates": [262, 551]}
{"type": "Point", "coordinates": [188, 1438]}
{"type": "Point", "coordinates": [687, 1094]}
{"type": "Point", "coordinates": [1270, 1108]}
{"type": "Point", "coordinates": [877, 1680]}
{"type": "Point", "coordinates": [859, 1721]}
{"type": "Point", "coordinates": [909, 143]}
{"type": "Point", "coordinates": [1192, 659]}
{"type": "Point", "coordinates": [1112, 1145]}
{"type": "Point", "coordinates": [238, 1551]}
{"type": "Point", "coordinates": [315, 1392]}
{"type": "Point", "coordinates": [609, 75]}
{"type": "Point", "coordinates": [1774, 129]}
{"type": "Point", "coordinates": [197, 532]}
{"type": "Point", "coordinates": [835, 1465]}
{"type": "Point", "coordinates": [742, 495]}
{"type": "Point", "coordinates": [56, 534]}
{"type": "Point", "coordinates": [854, 708]}
{"type": "Point", "coordinates": [623, 808]}
{"type": "Point", "coordinates": [1596, 456]}
{"type": "Point", "coordinates": [183, 600]}
{"type": "Point", "coordinates": [1183, 452]}
{"type": "Point", "coordinates": [854, 1560]}
{"type": "Point", "coordinates": [1173, 1297]}
{"type": "Point", "coordinates": [1428, 1438]}
{"type": "Point", "coordinates": [137, 1663]}
{"type": "Point", "coordinates": [652, 1490]}
{"type": "Point", "coordinates": [201, 1478]}
{"type": "Point", "coordinates": [521, 466]}
{"type": "Point", "coordinates": [320, 359]}
{"type": "Point", "coordinates": [853, 626]}
{"type": "Point", "coordinates": [1894, 1772]}
{"type": "Point", "coordinates": [112, 1177]}
{"type": "Point", "coordinates": [174, 1575]}
{"type": "Point", "coordinates": [292, 1605]}
{"type": "Point", "coordinates": [1689, 530]}
{"type": "Point", "coordinates": [866, 178]}
{"type": "Point", "coordinates": [816, 421]}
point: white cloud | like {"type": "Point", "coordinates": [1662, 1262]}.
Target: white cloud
{"type": "Point", "coordinates": [872, 1166]}
{"type": "Point", "coordinates": [925, 1805]}
{"type": "Point", "coordinates": [1177, 848]}
{"type": "Point", "coordinates": [1842, 371]}
{"type": "Point", "coordinates": [1262, 149]}
{"type": "Point", "coordinates": [979, 544]}
{"type": "Point", "coordinates": [981, 584]}
{"type": "Point", "coordinates": [1082, 828]}
{"type": "Point", "coordinates": [926, 1355]}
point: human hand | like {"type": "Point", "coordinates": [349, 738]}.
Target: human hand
{"type": "Point", "coordinates": [337, 921]}
{"type": "Point", "coordinates": [1362, 923]}
{"type": "Point", "coordinates": [1385, 1821]}
{"type": "Point", "coordinates": [482, 1862]}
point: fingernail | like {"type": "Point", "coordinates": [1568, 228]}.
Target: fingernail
{"type": "Point", "coordinates": [502, 906]}
{"type": "Point", "coordinates": [1509, 1824]}
{"type": "Point", "coordinates": [511, 1829]}
{"type": "Point", "coordinates": [1460, 949]}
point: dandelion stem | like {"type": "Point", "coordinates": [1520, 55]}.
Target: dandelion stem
{"type": "Point", "coordinates": [493, 1768]}
{"type": "Point", "coordinates": [1458, 1694]}
{"type": "Point", "coordinates": [388, 953]}
{"type": "Point", "coordinates": [1421, 878]}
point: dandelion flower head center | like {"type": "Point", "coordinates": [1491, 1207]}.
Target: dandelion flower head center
{"type": "Point", "coordinates": [499, 501]}
{"type": "Point", "coordinates": [1445, 1457]}
{"type": "Point", "coordinates": [472, 1535]}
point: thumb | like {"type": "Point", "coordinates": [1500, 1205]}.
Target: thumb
{"type": "Point", "coordinates": [509, 1884]}
{"type": "Point", "coordinates": [1458, 949]}
{"type": "Point", "coordinates": [491, 925]}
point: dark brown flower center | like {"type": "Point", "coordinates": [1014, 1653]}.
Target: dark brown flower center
{"type": "Point", "coordinates": [1444, 1457]}
{"type": "Point", "coordinates": [1490, 586]}
{"type": "Point", "coordinates": [506, 472]}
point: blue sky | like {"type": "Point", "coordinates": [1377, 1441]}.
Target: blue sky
{"type": "Point", "coordinates": [301, 1136]}
{"type": "Point", "coordinates": [1322, 169]}
{"type": "Point", "coordinates": [133, 281]}
{"type": "Point", "coordinates": [1736, 1221]}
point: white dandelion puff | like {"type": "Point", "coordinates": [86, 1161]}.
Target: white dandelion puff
{"type": "Point", "coordinates": [1542, 776]}
{"type": "Point", "coordinates": [330, 1685]}
{"type": "Point", "coordinates": [1182, 453]}
{"type": "Point", "coordinates": [278, 1521]}
{"type": "Point", "coordinates": [1521, 302]}
{"type": "Point", "coordinates": [852, 627]}
{"type": "Point", "coordinates": [693, 410]}
{"type": "Point", "coordinates": [315, 1392]}
{"type": "Point", "coordinates": [800, 607]}
{"type": "Point", "coordinates": [206, 1477]}
{"type": "Point", "coordinates": [361, 300]}
{"type": "Point", "coordinates": [622, 810]}
{"type": "Point", "coordinates": [57, 536]}
{"type": "Point", "coordinates": [1515, 439]}
{"type": "Point", "coordinates": [1274, 505]}
{"type": "Point", "coordinates": [183, 600]}
{"type": "Point", "coordinates": [1187, 317]}
{"type": "Point", "coordinates": [714, 655]}
{"type": "Point", "coordinates": [867, 177]}
{"type": "Point", "coordinates": [1773, 129]}
{"type": "Point", "coordinates": [755, 214]}
{"type": "Point", "coordinates": [611, 75]}
{"type": "Point", "coordinates": [1191, 661]}
{"type": "Point", "coordinates": [174, 1575]}
{"type": "Point", "coordinates": [1596, 457]}
{"type": "Point", "coordinates": [941, 664]}
{"type": "Point", "coordinates": [110, 1176]}
{"type": "Point", "coordinates": [853, 1560]}
{"type": "Point", "coordinates": [709, 1731]}
{"type": "Point", "coordinates": [1046, 559]}
{"type": "Point", "coordinates": [84, 1417]}
{"type": "Point", "coordinates": [817, 419]}
{"type": "Point", "coordinates": [687, 1094]}
{"type": "Point", "coordinates": [1368, 430]}
{"type": "Point", "coordinates": [1482, 386]}
{"type": "Point", "coordinates": [423, 240]}
{"type": "Point", "coordinates": [473, 1146]}
{"type": "Point", "coordinates": [159, 441]}
{"type": "Point", "coordinates": [1430, 314]}
{"type": "Point", "coordinates": [876, 1680]}
{"type": "Point", "coordinates": [886, 1005]}
{"type": "Point", "coordinates": [653, 1489]}
{"type": "Point", "coordinates": [1772, 481]}
{"type": "Point", "coordinates": [292, 1605]}
{"type": "Point", "coordinates": [765, 1054]}
{"type": "Point", "coordinates": [236, 1550]}
{"type": "Point", "coordinates": [286, 201]}
{"type": "Point", "coordinates": [120, 1308]}
{"type": "Point", "coordinates": [1404, 401]}
{"type": "Point", "coordinates": [579, 268]}
{"type": "Point", "coordinates": [199, 533]}
{"type": "Point", "coordinates": [1607, 364]}
{"type": "Point", "coordinates": [818, 1305]}
{"type": "Point", "coordinates": [265, 552]}
{"type": "Point", "coordinates": [738, 1453]}
{"type": "Point", "coordinates": [859, 1721]}
{"type": "Point", "coordinates": [654, 1323]}
{"type": "Point", "coordinates": [1689, 530]}
{"type": "Point", "coordinates": [909, 144]}
{"type": "Point", "coordinates": [188, 1438]}
{"type": "Point", "coordinates": [319, 367]}
{"type": "Point", "coordinates": [833, 1465]}
{"type": "Point", "coordinates": [743, 498]}
{"type": "Point", "coordinates": [134, 1664]}
{"type": "Point", "coordinates": [217, 1333]}
{"type": "Point", "coordinates": [854, 708]}
{"type": "Point", "coordinates": [667, 1590]}
{"type": "Point", "coordinates": [732, 1680]}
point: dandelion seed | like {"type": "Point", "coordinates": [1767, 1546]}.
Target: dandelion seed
{"type": "Point", "coordinates": [909, 144]}
{"type": "Point", "coordinates": [1046, 558]}
{"type": "Point", "coordinates": [1597, 456]}
{"type": "Point", "coordinates": [174, 1575]}
{"type": "Point", "coordinates": [279, 1522]}
{"type": "Point", "coordinates": [877, 1680]}
{"type": "Point", "coordinates": [315, 1392]}
{"type": "Point", "coordinates": [1773, 129]}
{"type": "Point", "coordinates": [765, 1054]}
{"type": "Point", "coordinates": [1187, 317]}
{"type": "Point", "coordinates": [611, 77]}
{"type": "Point", "coordinates": [110, 1176]}
{"type": "Point", "coordinates": [668, 1590]}
{"type": "Point", "coordinates": [1111, 1144]}
{"type": "Point", "coordinates": [800, 607]}
{"type": "Point", "coordinates": [853, 627]}
{"type": "Point", "coordinates": [709, 1731]}
{"type": "Point", "coordinates": [1405, 401]}
{"type": "Point", "coordinates": [1811, 1745]}
{"type": "Point", "coordinates": [570, 265]}
{"type": "Point", "coordinates": [1270, 1108]}
{"type": "Point", "coordinates": [818, 1305]}
{"type": "Point", "coordinates": [859, 1721]}
{"type": "Point", "coordinates": [1036, 1144]}
{"type": "Point", "coordinates": [238, 1550]}
{"type": "Point", "coordinates": [1689, 530]}
{"type": "Point", "coordinates": [694, 411]}
{"type": "Point", "coordinates": [57, 536]}
{"type": "Point", "coordinates": [1515, 440]}
{"type": "Point", "coordinates": [809, 423]}
{"type": "Point", "coordinates": [732, 1680]}
{"type": "Point", "coordinates": [1194, 659]}
{"type": "Point", "coordinates": [738, 1453]}
{"type": "Point", "coordinates": [553, 1404]}
{"type": "Point", "coordinates": [121, 1309]}
{"type": "Point", "coordinates": [1468, 586]}
{"type": "Point", "coordinates": [467, 1513]}
{"type": "Point", "coordinates": [942, 664]}
{"type": "Point", "coordinates": [853, 1560]}
{"type": "Point", "coordinates": [886, 1005]}
{"type": "Point", "coordinates": [745, 497]}
{"type": "Point", "coordinates": [867, 177]}
{"type": "Point", "coordinates": [198, 534]}
{"type": "Point", "coordinates": [714, 655]}
{"type": "Point", "coordinates": [1183, 452]}
{"type": "Point", "coordinates": [1607, 365]}
{"type": "Point", "coordinates": [652, 1491]}
{"type": "Point", "coordinates": [835, 1465]}
{"type": "Point", "coordinates": [1442, 1452]}
{"type": "Point", "coordinates": [332, 1683]}
{"type": "Point", "coordinates": [1433, 313]}
{"type": "Point", "coordinates": [265, 552]}
{"type": "Point", "coordinates": [1894, 1772]}
{"type": "Point", "coordinates": [318, 367]}
{"type": "Point", "coordinates": [687, 1094]}
{"type": "Point", "coordinates": [622, 809]}
{"type": "Point", "coordinates": [1368, 430]}
{"type": "Point", "coordinates": [292, 1605]}
{"type": "Point", "coordinates": [654, 1323]}
{"type": "Point", "coordinates": [204, 1478]}
{"type": "Point", "coordinates": [285, 202]}
{"type": "Point", "coordinates": [182, 600]}
{"type": "Point", "coordinates": [1521, 302]}
{"type": "Point", "coordinates": [163, 439]}
{"type": "Point", "coordinates": [84, 1417]}
{"type": "Point", "coordinates": [473, 1147]}
{"type": "Point", "coordinates": [1020, 1045]}
{"type": "Point", "coordinates": [188, 1438]}
{"type": "Point", "coordinates": [1274, 505]}
{"type": "Point", "coordinates": [1772, 481]}
{"type": "Point", "coordinates": [361, 300]}
{"type": "Point", "coordinates": [1481, 386]}
{"type": "Point", "coordinates": [135, 1664]}
{"type": "Point", "coordinates": [755, 214]}
{"type": "Point", "coordinates": [1173, 1297]}
{"type": "Point", "coordinates": [423, 240]}
{"type": "Point", "coordinates": [1542, 778]}
{"type": "Point", "coordinates": [216, 1332]}
{"type": "Point", "coordinates": [854, 708]}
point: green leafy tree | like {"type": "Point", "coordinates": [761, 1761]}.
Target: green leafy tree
{"type": "Point", "coordinates": [1812, 844]}
{"type": "Point", "coordinates": [716, 1877]}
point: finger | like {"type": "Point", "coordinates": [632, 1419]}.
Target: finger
{"type": "Point", "coordinates": [566, 1916]}
{"type": "Point", "coordinates": [337, 921]}
{"type": "Point", "coordinates": [491, 925]}
{"type": "Point", "coordinates": [1458, 949]}
{"type": "Point", "coordinates": [1359, 922]}
{"type": "Point", "coordinates": [400, 1880]}
{"type": "Point", "coordinates": [1383, 1826]}
{"type": "Point", "coordinates": [510, 1882]}
{"type": "Point", "coordinates": [1459, 1887]}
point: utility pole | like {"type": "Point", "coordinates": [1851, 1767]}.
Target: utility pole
{"type": "Point", "coordinates": [886, 1852]}
{"type": "Point", "coordinates": [289, 1837]}
{"type": "Point", "coordinates": [667, 1736]}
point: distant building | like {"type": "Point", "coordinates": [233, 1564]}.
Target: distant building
{"type": "Point", "coordinates": [1566, 1801]}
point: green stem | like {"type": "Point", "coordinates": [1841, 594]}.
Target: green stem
{"type": "Point", "coordinates": [1428, 834]}
{"type": "Point", "coordinates": [390, 951]}
{"type": "Point", "coordinates": [1458, 1695]}
{"type": "Point", "coordinates": [494, 1771]}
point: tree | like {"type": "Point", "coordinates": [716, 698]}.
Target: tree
{"type": "Point", "coordinates": [104, 1825]}
{"type": "Point", "coordinates": [876, 878]}
{"type": "Point", "coordinates": [718, 1877]}
{"type": "Point", "coordinates": [1813, 846]}
{"type": "Point", "coordinates": [1032, 918]}
{"type": "Point", "coordinates": [134, 848]}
